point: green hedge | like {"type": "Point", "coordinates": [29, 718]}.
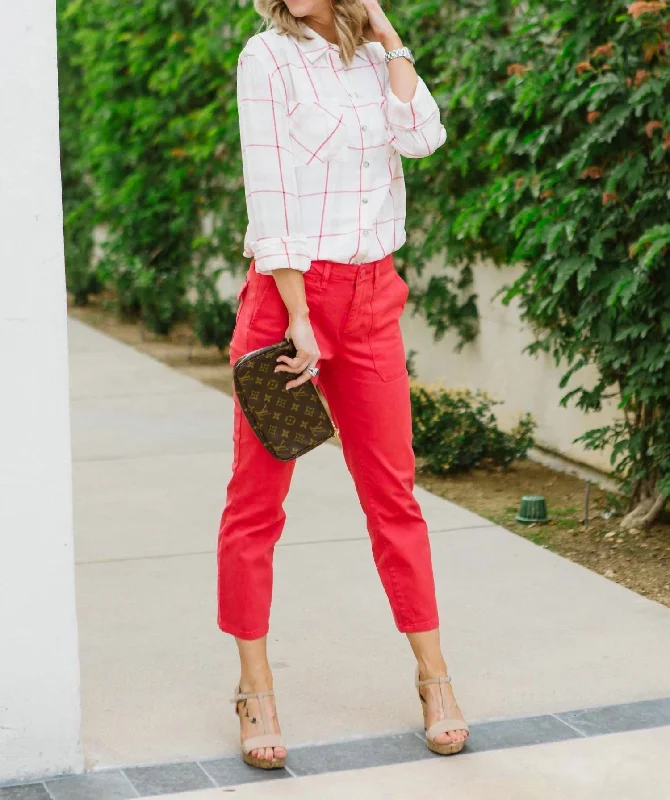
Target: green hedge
{"type": "Point", "coordinates": [558, 158]}
{"type": "Point", "coordinates": [558, 119]}
{"type": "Point", "coordinates": [155, 111]}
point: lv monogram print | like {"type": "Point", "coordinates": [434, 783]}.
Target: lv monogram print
{"type": "Point", "coordinates": [288, 423]}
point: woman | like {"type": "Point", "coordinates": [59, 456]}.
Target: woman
{"type": "Point", "coordinates": [328, 102]}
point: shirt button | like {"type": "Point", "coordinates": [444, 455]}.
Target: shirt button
{"type": "Point", "coordinates": [366, 164]}
{"type": "Point", "coordinates": [366, 233]}
{"type": "Point", "coordinates": [365, 200]}
{"type": "Point", "coordinates": [364, 128]}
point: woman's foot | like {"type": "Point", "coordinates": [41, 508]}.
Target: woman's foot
{"type": "Point", "coordinates": [252, 718]}
{"type": "Point", "coordinates": [436, 709]}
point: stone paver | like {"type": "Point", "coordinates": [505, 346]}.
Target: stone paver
{"type": "Point", "coordinates": [528, 633]}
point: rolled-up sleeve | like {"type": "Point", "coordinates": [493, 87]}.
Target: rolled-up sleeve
{"type": "Point", "coordinates": [415, 127]}
{"type": "Point", "coordinates": [274, 238]}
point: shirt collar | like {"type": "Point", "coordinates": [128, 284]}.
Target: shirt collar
{"type": "Point", "coordinates": [316, 46]}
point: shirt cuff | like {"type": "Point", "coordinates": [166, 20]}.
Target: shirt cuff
{"type": "Point", "coordinates": [412, 115]}
{"type": "Point", "coordinates": [280, 253]}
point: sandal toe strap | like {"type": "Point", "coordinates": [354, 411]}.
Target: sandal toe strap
{"type": "Point", "coordinates": [446, 726]}
{"type": "Point", "coordinates": [259, 742]}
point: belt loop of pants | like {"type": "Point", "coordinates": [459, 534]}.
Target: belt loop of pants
{"type": "Point", "coordinates": [376, 270]}
{"type": "Point", "coordinates": [379, 267]}
{"type": "Point", "coordinates": [325, 274]}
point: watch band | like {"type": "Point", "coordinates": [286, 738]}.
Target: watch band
{"type": "Point", "coordinates": [400, 52]}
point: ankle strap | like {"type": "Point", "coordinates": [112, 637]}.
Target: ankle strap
{"type": "Point", "coordinates": [239, 696]}
{"type": "Point", "coordinates": [430, 681]}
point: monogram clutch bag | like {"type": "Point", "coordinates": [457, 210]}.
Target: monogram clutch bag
{"type": "Point", "coordinates": [287, 422]}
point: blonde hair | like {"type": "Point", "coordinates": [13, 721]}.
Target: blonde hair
{"type": "Point", "coordinates": [351, 19]}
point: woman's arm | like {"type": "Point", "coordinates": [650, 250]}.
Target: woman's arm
{"type": "Point", "coordinates": [413, 114]}
{"type": "Point", "coordinates": [276, 239]}
{"type": "Point", "coordinates": [403, 78]}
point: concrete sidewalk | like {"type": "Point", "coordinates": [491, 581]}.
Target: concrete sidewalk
{"type": "Point", "coordinates": [526, 632]}
{"type": "Point", "coordinates": [627, 766]}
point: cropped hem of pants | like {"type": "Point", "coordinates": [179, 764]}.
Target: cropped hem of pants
{"type": "Point", "coordinates": [355, 312]}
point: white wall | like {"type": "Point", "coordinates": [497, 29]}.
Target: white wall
{"type": "Point", "coordinates": [496, 364]}
{"type": "Point", "coordinates": [39, 667]}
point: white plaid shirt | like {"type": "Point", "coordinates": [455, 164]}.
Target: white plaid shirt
{"type": "Point", "coordinates": [321, 147]}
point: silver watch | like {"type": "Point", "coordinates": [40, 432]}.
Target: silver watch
{"type": "Point", "coordinates": [400, 52]}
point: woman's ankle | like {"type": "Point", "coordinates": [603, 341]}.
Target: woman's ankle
{"type": "Point", "coordinates": [256, 679]}
{"type": "Point", "coordinates": [433, 668]}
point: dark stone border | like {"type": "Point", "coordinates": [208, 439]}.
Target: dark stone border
{"type": "Point", "coordinates": [148, 781]}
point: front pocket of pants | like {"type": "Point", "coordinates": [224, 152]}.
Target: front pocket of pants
{"type": "Point", "coordinates": [268, 319]}
{"type": "Point", "coordinates": [237, 345]}
{"type": "Point", "coordinates": [386, 342]}
{"type": "Point", "coordinates": [318, 133]}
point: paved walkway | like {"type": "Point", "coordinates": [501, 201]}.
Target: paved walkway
{"type": "Point", "coordinates": [527, 632]}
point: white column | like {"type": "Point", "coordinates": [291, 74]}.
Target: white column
{"type": "Point", "coordinates": [39, 664]}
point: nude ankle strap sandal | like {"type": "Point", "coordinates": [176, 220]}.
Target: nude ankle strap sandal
{"type": "Point", "coordinates": [443, 725]}
{"type": "Point", "coordinates": [263, 740]}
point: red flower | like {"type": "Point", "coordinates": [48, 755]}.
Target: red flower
{"type": "Point", "coordinates": [666, 141]}
{"type": "Point", "coordinates": [592, 116]}
{"type": "Point", "coordinates": [545, 194]}
{"type": "Point", "coordinates": [604, 50]}
{"type": "Point", "coordinates": [610, 197]}
{"type": "Point", "coordinates": [592, 172]}
{"type": "Point", "coordinates": [651, 50]}
{"type": "Point", "coordinates": [583, 66]}
{"type": "Point", "coordinates": [650, 127]}
{"type": "Point", "coordinates": [516, 69]}
{"type": "Point", "coordinates": [637, 9]}
{"type": "Point", "coordinates": [640, 77]}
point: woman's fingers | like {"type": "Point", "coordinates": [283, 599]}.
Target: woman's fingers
{"type": "Point", "coordinates": [307, 354]}
{"type": "Point", "coordinates": [297, 364]}
{"type": "Point", "coordinates": [299, 380]}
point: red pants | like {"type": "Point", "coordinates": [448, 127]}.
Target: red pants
{"type": "Point", "coordinates": [355, 312]}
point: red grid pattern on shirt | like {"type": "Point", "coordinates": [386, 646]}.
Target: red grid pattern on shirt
{"type": "Point", "coordinates": [289, 159]}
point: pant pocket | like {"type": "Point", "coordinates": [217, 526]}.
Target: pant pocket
{"type": "Point", "coordinates": [268, 319]}
{"type": "Point", "coordinates": [237, 340]}
{"type": "Point", "coordinates": [386, 342]}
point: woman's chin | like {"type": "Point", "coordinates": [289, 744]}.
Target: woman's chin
{"type": "Point", "coordinates": [300, 8]}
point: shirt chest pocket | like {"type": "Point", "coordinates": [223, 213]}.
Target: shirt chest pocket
{"type": "Point", "coordinates": [318, 133]}
{"type": "Point", "coordinates": [374, 122]}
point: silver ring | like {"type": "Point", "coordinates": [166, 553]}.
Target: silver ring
{"type": "Point", "coordinates": [313, 371]}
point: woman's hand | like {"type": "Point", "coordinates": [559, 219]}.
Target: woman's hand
{"type": "Point", "coordinates": [300, 332]}
{"type": "Point", "coordinates": [380, 29]}
{"type": "Point", "coordinates": [291, 287]}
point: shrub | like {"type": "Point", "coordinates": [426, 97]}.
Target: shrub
{"type": "Point", "coordinates": [157, 113]}
{"type": "Point", "coordinates": [78, 208]}
{"type": "Point", "coordinates": [212, 318]}
{"type": "Point", "coordinates": [558, 122]}
{"type": "Point", "coordinates": [455, 431]}
{"type": "Point", "coordinates": [558, 158]}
